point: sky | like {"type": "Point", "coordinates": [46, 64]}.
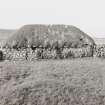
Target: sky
{"type": "Point", "coordinates": [88, 15]}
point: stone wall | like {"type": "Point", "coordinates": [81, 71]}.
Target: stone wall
{"type": "Point", "coordinates": [100, 51]}
{"type": "Point", "coordinates": [49, 53]}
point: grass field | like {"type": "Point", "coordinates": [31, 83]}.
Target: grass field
{"type": "Point", "coordinates": [53, 82]}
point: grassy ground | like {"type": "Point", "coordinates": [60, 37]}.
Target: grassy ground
{"type": "Point", "coordinates": [54, 82]}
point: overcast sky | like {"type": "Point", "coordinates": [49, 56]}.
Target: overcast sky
{"type": "Point", "coordinates": [88, 15]}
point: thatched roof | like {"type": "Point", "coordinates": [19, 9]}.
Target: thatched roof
{"type": "Point", "coordinates": [38, 34]}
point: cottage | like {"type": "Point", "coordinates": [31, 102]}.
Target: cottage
{"type": "Point", "coordinates": [60, 39]}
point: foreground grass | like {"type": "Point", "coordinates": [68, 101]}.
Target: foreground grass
{"type": "Point", "coordinates": [53, 82]}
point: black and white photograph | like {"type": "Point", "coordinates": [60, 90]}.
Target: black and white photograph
{"type": "Point", "coordinates": [52, 52]}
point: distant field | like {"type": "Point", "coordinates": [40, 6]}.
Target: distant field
{"type": "Point", "coordinates": [53, 82]}
{"type": "Point", "coordinates": [99, 40]}
{"type": "Point", "coordinates": [4, 34]}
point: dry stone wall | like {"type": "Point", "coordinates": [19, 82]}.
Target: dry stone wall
{"type": "Point", "coordinates": [100, 51]}
{"type": "Point", "coordinates": [49, 53]}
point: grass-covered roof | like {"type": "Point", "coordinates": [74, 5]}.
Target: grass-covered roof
{"type": "Point", "coordinates": [39, 34]}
